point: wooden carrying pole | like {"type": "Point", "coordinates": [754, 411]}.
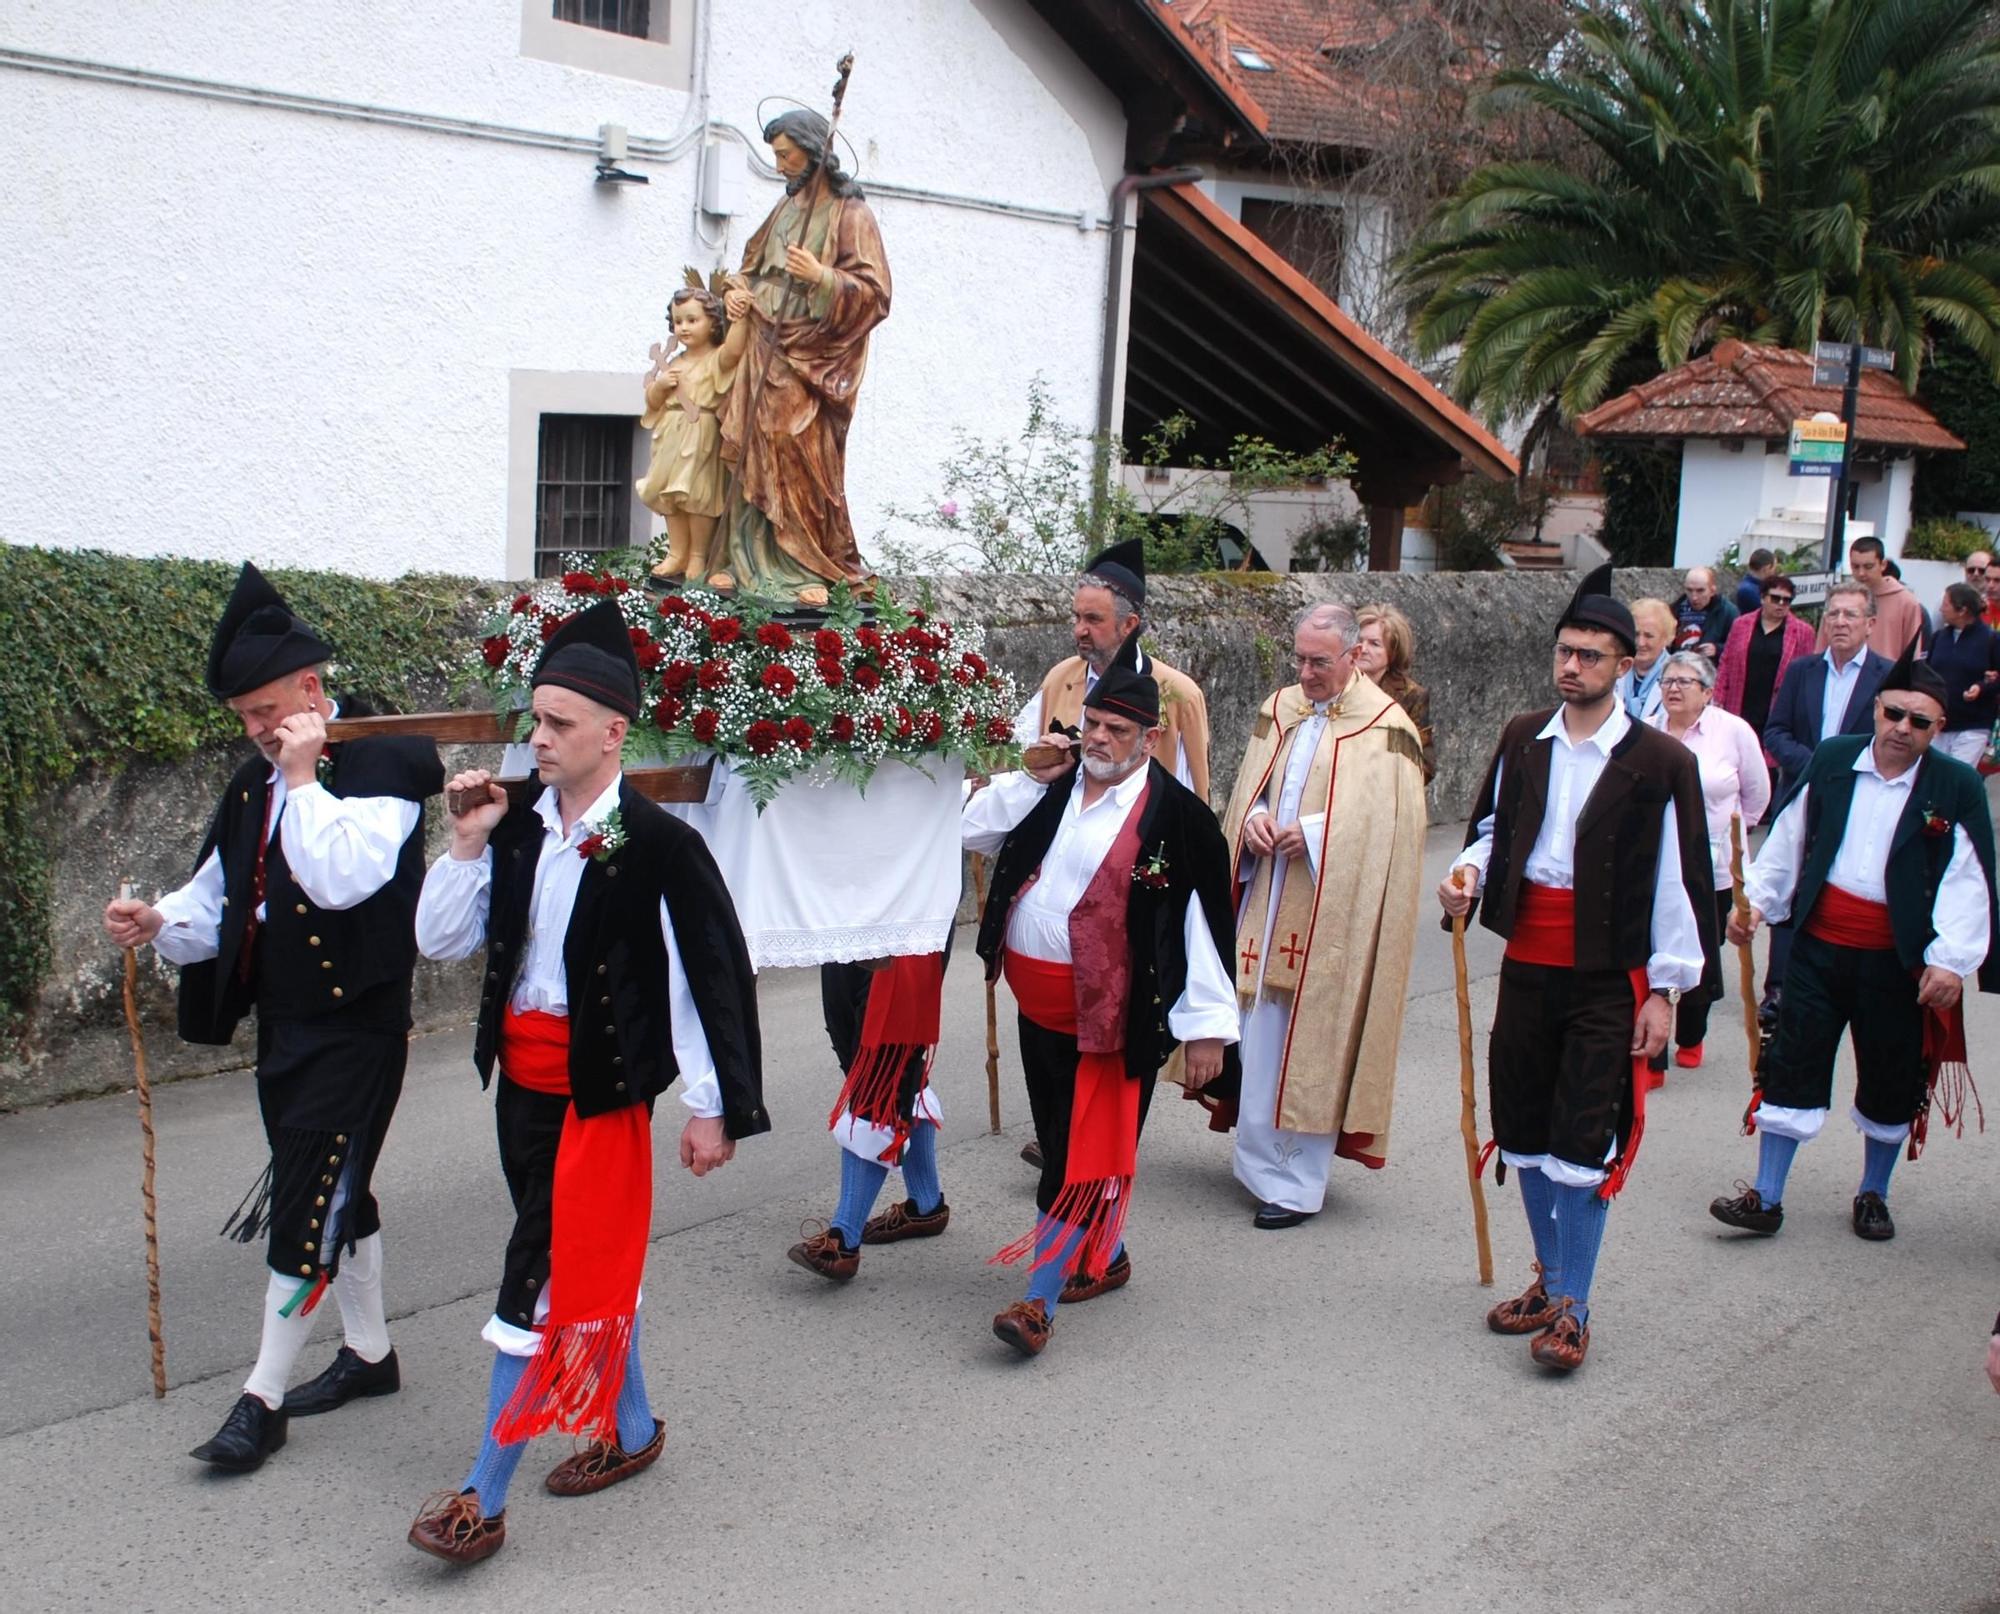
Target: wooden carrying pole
{"type": "Point", "coordinates": [154, 1330]}
{"type": "Point", "coordinates": [1468, 1122]}
{"type": "Point", "coordinates": [992, 1009]}
{"type": "Point", "coordinates": [1746, 962]}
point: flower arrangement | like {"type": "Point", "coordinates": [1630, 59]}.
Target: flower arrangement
{"type": "Point", "coordinates": [605, 839]}
{"type": "Point", "coordinates": [727, 677]}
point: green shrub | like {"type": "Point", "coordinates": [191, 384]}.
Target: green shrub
{"type": "Point", "coordinates": [1944, 538]}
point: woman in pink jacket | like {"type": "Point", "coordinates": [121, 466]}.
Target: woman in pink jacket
{"type": "Point", "coordinates": [1754, 658]}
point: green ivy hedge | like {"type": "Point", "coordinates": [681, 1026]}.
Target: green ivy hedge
{"type": "Point", "coordinates": [101, 661]}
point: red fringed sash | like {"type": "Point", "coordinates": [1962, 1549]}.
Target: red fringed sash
{"type": "Point", "coordinates": [1545, 933]}
{"type": "Point", "coordinates": [602, 1210]}
{"type": "Point", "coordinates": [1948, 1077]}
{"type": "Point", "coordinates": [902, 1021]}
{"type": "Point", "coordinates": [1841, 919]}
{"type": "Point", "coordinates": [1103, 1131]}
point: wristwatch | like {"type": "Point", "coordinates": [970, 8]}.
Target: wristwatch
{"type": "Point", "coordinates": [1671, 993]}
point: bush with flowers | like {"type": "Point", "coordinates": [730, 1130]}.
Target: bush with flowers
{"type": "Point", "coordinates": [727, 677]}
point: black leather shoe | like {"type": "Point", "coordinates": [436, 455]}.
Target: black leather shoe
{"type": "Point", "coordinates": [1031, 1151]}
{"type": "Point", "coordinates": [250, 1433]}
{"type": "Point", "coordinates": [1270, 1218]}
{"type": "Point", "coordinates": [1749, 1212]}
{"type": "Point", "coordinates": [346, 1379]}
{"type": "Point", "coordinates": [1871, 1218]}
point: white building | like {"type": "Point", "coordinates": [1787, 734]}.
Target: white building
{"type": "Point", "coordinates": [341, 286]}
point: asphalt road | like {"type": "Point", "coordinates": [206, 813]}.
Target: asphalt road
{"type": "Point", "coordinates": [1311, 1419]}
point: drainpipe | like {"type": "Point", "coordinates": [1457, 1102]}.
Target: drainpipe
{"type": "Point", "coordinates": [1114, 307]}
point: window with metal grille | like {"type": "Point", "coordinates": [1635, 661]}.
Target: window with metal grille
{"type": "Point", "coordinates": [583, 487]}
{"type": "Point", "coordinates": [631, 17]}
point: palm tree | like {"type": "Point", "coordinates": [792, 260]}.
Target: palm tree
{"type": "Point", "coordinates": [1781, 170]}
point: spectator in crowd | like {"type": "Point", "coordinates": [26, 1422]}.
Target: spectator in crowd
{"type": "Point", "coordinates": [1758, 570]}
{"type": "Point", "coordinates": [1734, 782]}
{"type": "Point", "coordinates": [1702, 617]}
{"type": "Point", "coordinates": [1898, 616]}
{"type": "Point", "coordinates": [1387, 647]}
{"type": "Point", "coordinates": [1639, 690]}
{"type": "Point", "coordinates": [1821, 696]}
{"type": "Point", "coordinates": [1762, 646]}
{"type": "Point", "coordinates": [1977, 565]}
{"type": "Point", "coordinates": [1964, 653]}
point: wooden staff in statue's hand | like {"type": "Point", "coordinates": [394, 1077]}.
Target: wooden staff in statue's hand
{"type": "Point", "coordinates": [131, 924]}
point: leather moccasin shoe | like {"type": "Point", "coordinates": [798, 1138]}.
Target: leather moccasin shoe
{"type": "Point", "coordinates": [1025, 1325]}
{"type": "Point", "coordinates": [1031, 1151]}
{"type": "Point", "coordinates": [346, 1379]}
{"type": "Point", "coordinates": [1872, 1219]}
{"type": "Point", "coordinates": [1749, 1212]}
{"type": "Point", "coordinates": [250, 1433]}
{"type": "Point", "coordinates": [1527, 1313]}
{"type": "Point", "coordinates": [450, 1526]}
{"type": "Point", "coordinates": [1270, 1218]}
{"type": "Point", "coordinates": [603, 1463]}
{"type": "Point", "coordinates": [1081, 1286]}
{"type": "Point", "coordinates": [1561, 1346]}
{"type": "Point", "coordinates": [905, 1221]}
{"type": "Point", "coordinates": [824, 1254]}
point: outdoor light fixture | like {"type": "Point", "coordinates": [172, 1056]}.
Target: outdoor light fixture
{"type": "Point", "coordinates": [610, 153]}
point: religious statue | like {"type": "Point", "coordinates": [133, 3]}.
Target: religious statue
{"type": "Point", "coordinates": [685, 480]}
{"type": "Point", "coordinates": [814, 282]}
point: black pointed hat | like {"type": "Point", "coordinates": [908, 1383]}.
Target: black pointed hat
{"type": "Point", "coordinates": [1123, 565]}
{"type": "Point", "coordinates": [259, 639]}
{"type": "Point", "coordinates": [591, 653]}
{"type": "Point", "coordinates": [1918, 677]}
{"type": "Point", "coordinates": [1594, 606]}
{"type": "Point", "coordinates": [1124, 691]}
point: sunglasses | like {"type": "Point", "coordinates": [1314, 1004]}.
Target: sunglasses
{"type": "Point", "coordinates": [1902, 714]}
{"type": "Point", "coordinates": [1779, 599]}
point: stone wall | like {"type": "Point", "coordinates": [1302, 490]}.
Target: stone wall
{"type": "Point", "coordinates": [1482, 648]}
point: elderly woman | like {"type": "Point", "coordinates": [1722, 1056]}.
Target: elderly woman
{"type": "Point", "coordinates": [1655, 625]}
{"type": "Point", "coordinates": [1734, 782]}
{"type": "Point", "coordinates": [1384, 651]}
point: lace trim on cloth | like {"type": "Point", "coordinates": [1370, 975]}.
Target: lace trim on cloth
{"type": "Point", "coordinates": [799, 949]}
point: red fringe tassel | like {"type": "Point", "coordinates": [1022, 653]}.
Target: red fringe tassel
{"type": "Point", "coordinates": [572, 1382]}
{"type": "Point", "coordinates": [1950, 1082]}
{"type": "Point", "coordinates": [1098, 1207]}
{"type": "Point", "coordinates": [874, 1083]}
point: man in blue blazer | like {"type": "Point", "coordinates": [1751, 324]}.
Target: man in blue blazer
{"type": "Point", "coordinates": [1821, 696]}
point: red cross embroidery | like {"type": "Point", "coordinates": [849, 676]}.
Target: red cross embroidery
{"type": "Point", "coordinates": [1250, 957]}
{"type": "Point", "coordinates": [1293, 952]}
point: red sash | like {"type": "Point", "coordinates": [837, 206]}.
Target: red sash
{"type": "Point", "coordinates": [1545, 933]}
{"type": "Point", "coordinates": [902, 1021]}
{"type": "Point", "coordinates": [1841, 919]}
{"type": "Point", "coordinates": [1103, 1130]}
{"type": "Point", "coordinates": [602, 1211]}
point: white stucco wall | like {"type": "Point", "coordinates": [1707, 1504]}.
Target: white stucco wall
{"type": "Point", "coordinates": [1721, 494]}
{"type": "Point", "coordinates": [234, 331]}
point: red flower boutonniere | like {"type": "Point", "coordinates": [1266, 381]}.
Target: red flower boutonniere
{"type": "Point", "coordinates": [1152, 872]}
{"type": "Point", "coordinates": [607, 839]}
{"type": "Point", "coordinates": [1936, 826]}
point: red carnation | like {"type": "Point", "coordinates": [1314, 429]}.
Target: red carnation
{"type": "Point", "coordinates": [866, 677]}
{"type": "Point", "coordinates": [842, 729]}
{"type": "Point", "coordinates": [827, 643]}
{"type": "Point", "coordinates": [775, 636]}
{"type": "Point", "coordinates": [973, 663]}
{"type": "Point", "coordinates": [919, 616]}
{"type": "Point", "coordinates": [874, 722]}
{"type": "Point", "coordinates": [638, 636]}
{"type": "Point", "coordinates": [930, 728]}
{"type": "Point", "coordinates": [799, 732]}
{"type": "Point", "coordinates": [495, 649]}
{"type": "Point", "coordinates": [904, 722]}
{"type": "Point", "coordinates": [925, 669]}
{"type": "Point", "coordinates": [713, 674]}
{"type": "Point", "coordinates": [725, 630]}
{"type": "Point", "coordinates": [999, 731]}
{"type": "Point", "coordinates": [830, 673]}
{"type": "Point", "coordinates": [667, 712]}
{"type": "Point", "coordinates": [650, 656]}
{"type": "Point", "coordinates": [763, 737]}
{"type": "Point", "coordinates": [780, 680]}
{"type": "Point", "coordinates": [868, 638]}
{"type": "Point", "coordinates": [521, 603]}
{"type": "Point", "coordinates": [579, 583]}
{"type": "Point", "coordinates": [617, 584]}
{"type": "Point", "coordinates": [962, 675]}
{"type": "Point", "coordinates": [969, 722]}
{"type": "Point", "coordinates": [552, 625]}
{"type": "Point", "coordinates": [705, 725]}
{"type": "Point", "coordinates": [672, 605]}
{"type": "Point", "coordinates": [590, 845]}
{"type": "Point", "coordinates": [677, 676]}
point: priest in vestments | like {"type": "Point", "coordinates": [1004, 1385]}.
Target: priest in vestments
{"type": "Point", "coordinates": [1326, 830]}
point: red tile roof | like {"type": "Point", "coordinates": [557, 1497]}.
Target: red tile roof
{"type": "Point", "coordinates": [1740, 390]}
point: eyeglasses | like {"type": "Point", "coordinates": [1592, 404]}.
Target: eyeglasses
{"type": "Point", "coordinates": [1902, 714]}
{"type": "Point", "coordinates": [1680, 683]}
{"type": "Point", "coordinates": [1586, 659]}
{"type": "Point", "coordinates": [1778, 599]}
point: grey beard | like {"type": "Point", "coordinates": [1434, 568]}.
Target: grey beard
{"type": "Point", "coordinates": [1109, 773]}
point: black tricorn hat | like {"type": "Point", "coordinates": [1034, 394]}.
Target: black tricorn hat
{"type": "Point", "coordinates": [1918, 677]}
{"type": "Point", "coordinates": [591, 653]}
{"type": "Point", "coordinates": [258, 639]}
{"type": "Point", "coordinates": [1594, 606]}
{"type": "Point", "coordinates": [1124, 691]}
{"type": "Point", "coordinates": [1124, 565]}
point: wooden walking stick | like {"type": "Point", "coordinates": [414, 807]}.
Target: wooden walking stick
{"type": "Point", "coordinates": [154, 1331]}
{"type": "Point", "coordinates": [992, 1010]}
{"type": "Point", "coordinates": [1746, 962]}
{"type": "Point", "coordinates": [1468, 1122]}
